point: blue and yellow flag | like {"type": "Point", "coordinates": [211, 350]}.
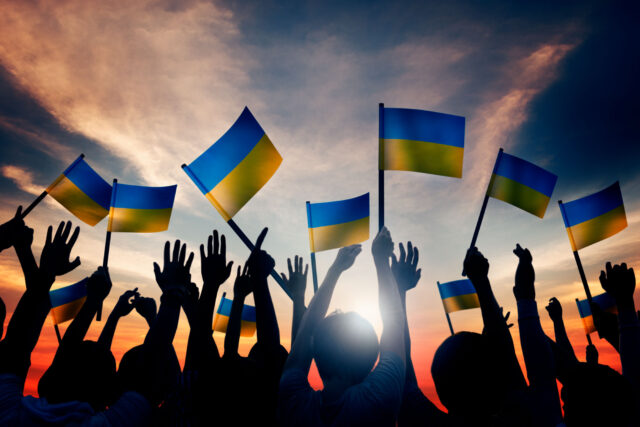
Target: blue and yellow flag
{"type": "Point", "coordinates": [458, 295]}
{"type": "Point", "coordinates": [66, 302]}
{"type": "Point", "coordinates": [140, 209]}
{"type": "Point", "coordinates": [337, 224]}
{"type": "Point", "coordinates": [521, 184]}
{"type": "Point", "coordinates": [606, 303]}
{"type": "Point", "coordinates": [82, 191]}
{"type": "Point", "coordinates": [236, 166]}
{"type": "Point", "coordinates": [421, 141]}
{"type": "Point", "coordinates": [221, 319]}
{"type": "Point", "coordinates": [595, 217]}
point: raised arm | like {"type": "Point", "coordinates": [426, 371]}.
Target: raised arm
{"type": "Point", "coordinates": [146, 307]}
{"type": "Point", "coordinates": [301, 351]}
{"type": "Point", "coordinates": [122, 308]}
{"type": "Point", "coordinates": [241, 288]}
{"type": "Point", "coordinates": [297, 285]}
{"type": "Point", "coordinates": [562, 339]}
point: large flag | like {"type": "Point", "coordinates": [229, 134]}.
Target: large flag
{"type": "Point", "coordinates": [522, 184]}
{"type": "Point", "coordinates": [236, 166]}
{"type": "Point", "coordinates": [337, 224]}
{"type": "Point", "coordinates": [458, 295]}
{"type": "Point", "coordinates": [82, 191]}
{"type": "Point", "coordinates": [66, 302]}
{"type": "Point", "coordinates": [221, 319]}
{"type": "Point", "coordinates": [140, 209]}
{"type": "Point", "coordinates": [595, 217]}
{"type": "Point", "coordinates": [421, 141]}
{"type": "Point", "coordinates": [606, 303]}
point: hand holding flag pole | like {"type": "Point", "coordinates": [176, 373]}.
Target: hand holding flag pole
{"type": "Point", "coordinates": [107, 243]}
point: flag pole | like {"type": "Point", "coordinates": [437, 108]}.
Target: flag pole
{"type": "Point", "coordinates": [589, 339]}
{"type": "Point", "coordinates": [55, 326]}
{"type": "Point", "coordinates": [107, 243]}
{"type": "Point", "coordinates": [380, 166]}
{"type": "Point", "coordinates": [583, 277]}
{"type": "Point", "coordinates": [314, 272]}
{"type": "Point", "coordinates": [446, 313]}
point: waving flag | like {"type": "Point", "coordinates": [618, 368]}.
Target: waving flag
{"type": "Point", "coordinates": [521, 184]}
{"type": "Point", "coordinates": [593, 218]}
{"type": "Point", "coordinates": [236, 167]}
{"type": "Point", "coordinates": [221, 320]}
{"type": "Point", "coordinates": [82, 191]}
{"type": "Point", "coordinates": [337, 224]}
{"type": "Point", "coordinates": [458, 295]}
{"type": "Point", "coordinates": [421, 141]}
{"type": "Point", "coordinates": [140, 209]}
{"type": "Point", "coordinates": [66, 302]}
{"type": "Point", "coordinates": [604, 301]}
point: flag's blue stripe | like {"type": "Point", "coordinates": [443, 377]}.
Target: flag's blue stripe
{"type": "Point", "coordinates": [604, 301]}
{"type": "Point", "coordinates": [248, 311]}
{"type": "Point", "coordinates": [420, 125]}
{"type": "Point", "coordinates": [139, 197]}
{"type": "Point", "coordinates": [91, 184]}
{"type": "Point", "coordinates": [69, 293]}
{"type": "Point", "coordinates": [456, 288]}
{"type": "Point", "coordinates": [526, 173]}
{"type": "Point", "coordinates": [586, 208]}
{"type": "Point", "coordinates": [226, 153]}
{"type": "Point", "coordinates": [330, 213]}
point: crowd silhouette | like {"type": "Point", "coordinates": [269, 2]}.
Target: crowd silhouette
{"type": "Point", "coordinates": [366, 381]}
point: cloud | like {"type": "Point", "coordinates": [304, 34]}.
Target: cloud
{"type": "Point", "coordinates": [22, 178]}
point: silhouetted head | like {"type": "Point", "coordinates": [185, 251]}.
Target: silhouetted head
{"type": "Point", "coordinates": [596, 395]}
{"type": "Point", "coordinates": [85, 372]}
{"type": "Point", "coordinates": [129, 373]}
{"type": "Point", "coordinates": [466, 376]}
{"type": "Point", "coordinates": [345, 346]}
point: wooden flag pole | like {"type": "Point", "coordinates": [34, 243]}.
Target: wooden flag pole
{"type": "Point", "coordinates": [314, 272]}
{"type": "Point", "coordinates": [380, 166]}
{"type": "Point", "coordinates": [589, 339]}
{"type": "Point", "coordinates": [446, 313]}
{"type": "Point", "coordinates": [55, 326]}
{"type": "Point", "coordinates": [583, 277]}
{"type": "Point", "coordinates": [107, 244]}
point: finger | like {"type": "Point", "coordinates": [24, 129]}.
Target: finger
{"type": "Point", "coordinates": [176, 251]}
{"type": "Point", "coordinates": [416, 256]}
{"type": "Point", "coordinates": [289, 267]}
{"type": "Point", "coordinates": [608, 268]}
{"type": "Point", "coordinates": [284, 277]}
{"type": "Point", "coordinates": [246, 269]}
{"type": "Point", "coordinates": [18, 214]}
{"type": "Point", "coordinates": [167, 247]}
{"type": "Point", "coordinates": [74, 264]}
{"type": "Point", "coordinates": [419, 273]}
{"type": "Point", "coordinates": [394, 260]}
{"type": "Point", "coordinates": [49, 231]}
{"type": "Point", "coordinates": [66, 231]}
{"type": "Point", "coordinates": [261, 237]}
{"type": "Point", "coordinates": [216, 242]}
{"type": "Point", "coordinates": [156, 271]}
{"type": "Point", "coordinates": [603, 279]}
{"type": "Point", "coordinates": [295, 264]}
{"type": "Point", "coordinates": [306, 270]}
{"type": "Point", "coordinates": [409, 252]}
{"type": "Point", "coordinates": [59, 231]}
{"type": "Point", "coordinates": [209, 245]}
{"type": "Point", "coordinates": [202, 253]}
{"type": "Point", "coordinates": [403, 254]}
{"type": "Point", "coordinates": [623, 265]}
{"type": "Point", "coordinates": [74, 237]}
{"type": "Point", "coordinates": [223, 246]}
{"type": "Point", "coordinates": [189, 261]}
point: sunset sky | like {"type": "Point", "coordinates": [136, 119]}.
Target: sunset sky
{"type": "Point", "coordinates": [141, 87]}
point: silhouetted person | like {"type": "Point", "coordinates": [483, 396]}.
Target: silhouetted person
{"type": "Point", "coordinates": [344, 347]}
{"type": "Point", "coordinates": [296, 283]}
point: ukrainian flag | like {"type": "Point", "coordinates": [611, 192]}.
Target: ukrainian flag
{"type": "Point", "coordinates": [236, 166]}
{"type": "Point", "coordinates": [421, 141]}
{"type": "Point", "coordinates": [458, 295]}
{"type": "Point", "coordinates": [221, 320]}
{"type": "Point", "coordinates": [595, 217]}
{"type": "Point", "coordinates": [82, 191]}
{"type": "Point", "coordinates": [337, 224]}
{"type": "Point", "coordinates": [66, 302]}
{"type": "Point", "coordinates": [140, 209]}
{"type": "Point", "coordinates": [521, 184]}
{"type": "Point", "coordinates": [606, 303]}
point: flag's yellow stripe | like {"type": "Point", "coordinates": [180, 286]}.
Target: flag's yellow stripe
{"type": "Point", "coordinates": [74, 199]}
{"type": "Point", "coordinates": [139, 220]}
{"type": "Point", "coordinates": [339, 235]}
{"type": "Point", "coordinates": [220, 323]}
{"type": "Point", "coordinates": [67, 311]}
{"type": "Point", "coordinates": [519, 195]}
{"type": "Point", "coordinates": [243, 182]}
{"type": "Point", "coordinates": [596, 229]}
{"type": "Point", "coordinates": [421, 156]}
{"type": "Point", "coordinates": [588, 324]}
{"type": "Point", "coordinates": [461, 302]}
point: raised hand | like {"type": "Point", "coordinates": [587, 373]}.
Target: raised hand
{"type": "Point", "coordinates": [297, 280]}
{"type": "Point", "coordinates": [405, 268]}
{"type": "Point", "coordinates": [54, 259]}
{"type": "Point", "coordinates": [476, 266]}
{"type": "Point", "coordinates": [10, 230]}
{"type": "Point", "coordinates": [382, 246]}
{"type": "Point", "coordinates": [175, 275]}
{"type": "Point", "coordinates": [146, 307]}
{"type": "Point", "coordinates": [525, 275]}
{"type": "Point", "coordinates": [554, 309]}
{"type": "Point", "coordinates": [99, 285]}
{"type": "Point", "coordinates": [506, 317]}
{"type": "Point", "coordinates": [125, 303]}
{"type": "Point", "coordinates": [243, 285]}
{"type": "Point", "coordinates": [346, 257]}
{"type": "Point", "coordinates": [607, 325]}
{"type": "Point", "coordinates": [620, 282]}
{"type": "Point", "coordinates": [260, 262]}
{"type": "Point", "coordinates": [214, 267]}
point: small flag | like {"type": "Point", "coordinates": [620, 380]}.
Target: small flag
{"type": "Point", "coordinates": [604, 301]}
{"type": "Point", "coordinates": [140, 209]}
{"type": "Point", "coordinates": [458, 295]}
{"type": "Point", "coordinates": [66, 302]}
{"type": "Point", "coordinates": [82, 191]}
{"type": "Point", "coordinates": [595, 217]}
{"type": "Point", "coordinates": [236, 167]}
{"type": "Point", "coordinates": [221, 320]}
{"type": "Point", "coordinates": [421, 141]}
{"type": "Point", "coordinates": [337, 224]}
{"type": "Point", "coordinates": [521, 184]}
